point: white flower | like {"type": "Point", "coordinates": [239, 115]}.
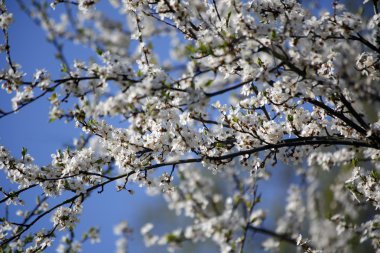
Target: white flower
{"type": "Point", "coordinates": [257, 217]}
{"type": "Point", "coordinates": [85, 5]}
{"type": "Point", "coordinates": [5, 20]}
{"type": "Point", "coordinates": [270, 244]}
{"type": "Point", "coordinates": [146, 228]}
{"type": "Point", "coordinates": [65, 217]}
{"type": "Point", "coordinates": [122, 228]}
{"type": "Point", "coordinates": [22, 97]}
{"type": "Point", "coordinates": [42, 78]}
{"type": "Point", "coordinates": [94, 235]}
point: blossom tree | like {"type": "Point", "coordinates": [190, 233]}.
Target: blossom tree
{"type": "Point", "coordinates": [247, 85]}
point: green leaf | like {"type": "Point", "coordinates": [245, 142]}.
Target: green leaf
{"type": "Point", "coordinates": [219, 145]}
{"type": "Point", "coordinates": [64, 68]}
{"type": "Point", "coordinates": [228, 235]}
{"type": "Point", "coordinates": [190, 49]}
{"type": "Point", "coordinates": [67, 187]}
{"type": "Point", "coordinates": [172, 238]}
{"type": "Point", "coordinates": [204, 49]}
{"type": "Point", "coordinates": [260, 62]}
{"type": "Point", "coordinates": [273, 35]}
{"type": "Point", "coordinates": [237, 200]}
{"type": "Point", "coordinates": [99, 161]}
{"type": "Point", "coordinates": [289, 117]}
{"type": "Point", "coordinates": [24, 152]}
{"type": "Point", "coordinates": [99, 51]}
{"type": "Point", "coordinates": [208, 83]}
{"type": "Point", "coordinates": [92, 122]}
{"type": "Point", "coordinates": [257, 200]}
{"type": "Point", "coordinates": [375, 175]}
{"type": "Point", "coordinates": [254, 88]}
{"type": "Point", "coordinates": [58, 56]}
{"type": "Point", "coordinates": [228, 18]}
{"type": "Point", "coordinates": [28, 239]}
{"type": "Point", "coordinates": [53, 97]}
{"type": "Point", "coordinates": [354, 162]}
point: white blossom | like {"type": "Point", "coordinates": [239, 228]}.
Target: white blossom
{"type": "Point", "coordinates": [217, 108]}
{"type": "Point", "coordinates": [6, 19]}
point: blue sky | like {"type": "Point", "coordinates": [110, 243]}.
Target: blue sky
{"type": "Point", "coordinates": [30, 128]}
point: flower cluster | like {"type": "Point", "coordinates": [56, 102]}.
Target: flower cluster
{"type": "Point", "coordinates": [239, 88]}
{"type": "Point", "coordinates": [65, 217]}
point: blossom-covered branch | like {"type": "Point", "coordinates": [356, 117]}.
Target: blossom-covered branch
{"type": "Point", "coordinates": [237, 88]}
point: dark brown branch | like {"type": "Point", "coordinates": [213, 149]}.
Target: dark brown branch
{"type": "Point", "coordinates": [281, 237]}
{"type": "Point", "coordinates": [8, 51]}
{"type": "Point", "coordinates": [70, 200]}
{"type": "Point", "coordinates": [301, 141]}
{"type": "Point", "coordinates": [285, 143]}
{"type": "Point", "coordinates": [219, 92]}
{"type": "Point", "coordinates": [339, 115]}
{"type": "Point", "coordinates": [354, 113]}
{"type": "Point", "coordinates": [16, 193]}
{"type": "Point", "coordinates": [358, 37]}
{"type": "Point", "coordinates": [216, 9]}
{"type": "Point", "coordinates": [58, 82]}
{"type": "Point", "coordinates": [375, 8]}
